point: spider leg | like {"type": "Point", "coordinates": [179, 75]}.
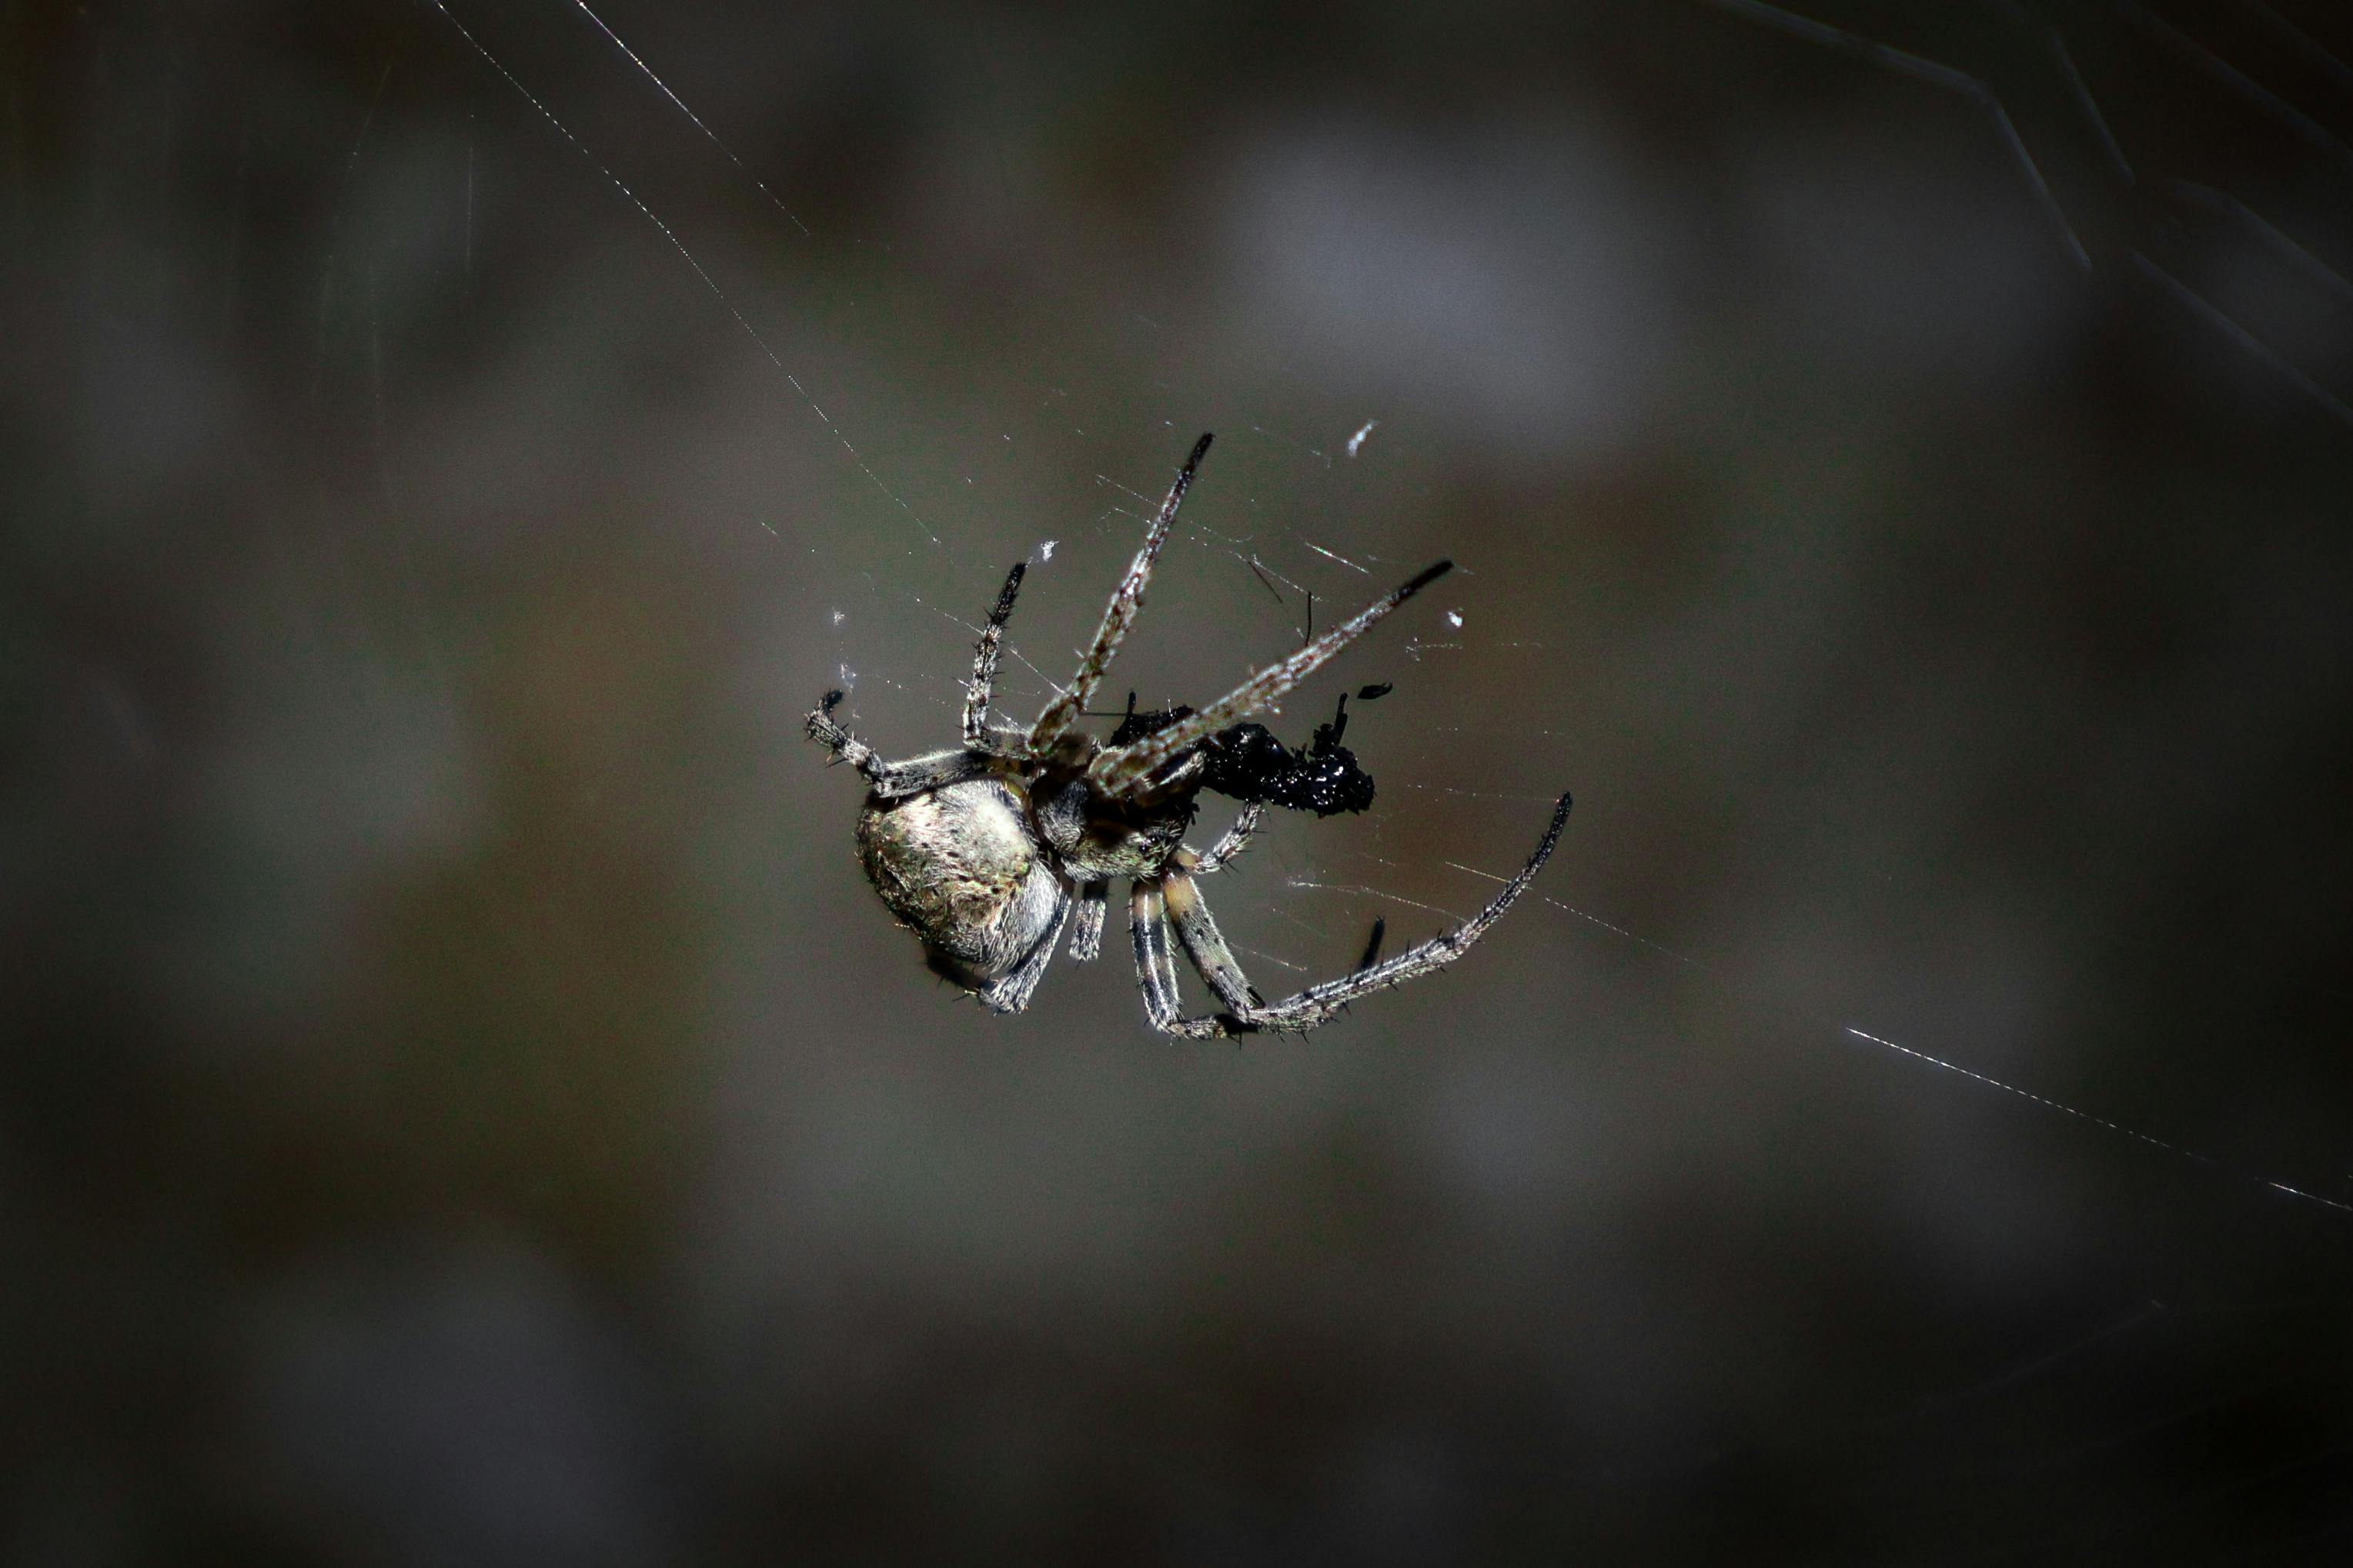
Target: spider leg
{"type": "Point", "coordinates": [1180, 901]}
{"type": "Point", "coordinates": [1203, 943]}
{"type": "Point", "coordinates": [1064, 711]}
{"type": "Point", "coordinates": [976, 732]}
{"type": "Point", "coordinates": [1125, 770]}
{"type": "Point", "coordinates": [845, 746]}
{"type": "Point", "coordinates": [1010, 992]}
{"type": "Point", "coordinates": [1156, 969]}
{"type": "Point", "coordinates": [891, 780]}
{"type": "Point", "coordinates": [1087, 927]}
{"type": "Point", "coordinates": [1236, 838]}
{"type": "Point", "coordinates": [1317, 1003]}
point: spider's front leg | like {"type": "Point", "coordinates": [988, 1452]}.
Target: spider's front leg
{"type": "Point", "coordinates": [976, 732]}
{"type": "Point", "coordinates": [1125, 770]}
{"type": "Point", "coordinates": [1125, 601]}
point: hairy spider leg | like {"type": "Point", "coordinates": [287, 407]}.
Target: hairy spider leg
{"type": "Point", "coordinates": [984, 663]}
{"type": "Point", "coordinates": [1087, 922]}
{"type": "Point", "coordinates": [1174, 898]}
{"type": "Point", "coordinates": [1125, 601]}
{"type": "Point", "coordinates": [1236, 839]}
{"type": "Point", "coordinates": [891, 780]}
{"type": "Point", "coordinates": [1199, 935]}
{"type": "Point", "coordinates": [1128, 769]}
{"type": "Point", "coordinates": [1156, 970]}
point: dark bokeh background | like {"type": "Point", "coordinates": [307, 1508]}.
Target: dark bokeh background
{"type": "Point", "coordinates": [461, 1105]}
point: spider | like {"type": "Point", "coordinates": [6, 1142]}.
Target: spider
{"type": "Point", "coordinates": [990, 849]}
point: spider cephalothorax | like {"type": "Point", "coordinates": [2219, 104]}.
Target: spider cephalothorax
{"type": "Point", "coordinates": [989, 849]}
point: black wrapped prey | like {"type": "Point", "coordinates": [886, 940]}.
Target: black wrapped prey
{"type": "Point", "coordinates": [1247, 762]}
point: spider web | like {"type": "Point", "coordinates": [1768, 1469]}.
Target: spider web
{"type": "Point", "coordinates": [1895, 458]}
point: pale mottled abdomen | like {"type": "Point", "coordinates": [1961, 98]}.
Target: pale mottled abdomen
{"type": "Point", "coordinates": [960, 866]}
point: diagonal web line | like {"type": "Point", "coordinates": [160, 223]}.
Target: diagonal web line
{"type": "Point", "coordinates": [2239, 81]}
{"type": "Point", "coordinates": [1936, 74]}
{"type": "Point", "coordinates": [2201, 306]}
{"type": "Point", "coordinates": [2179, 1151]}
{"type": "Point", "coordinates": [678, 244]}
{"type": "Point", "coordinates": [695, 119]}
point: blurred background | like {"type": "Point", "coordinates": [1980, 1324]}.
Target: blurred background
{"type": "Point", "coordinates": [462, 1102]}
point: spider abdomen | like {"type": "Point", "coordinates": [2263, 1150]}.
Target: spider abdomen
{"type": "Point", "coordinates": [961, 866]}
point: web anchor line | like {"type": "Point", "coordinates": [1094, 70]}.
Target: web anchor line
{"type": "Point", "coordinates": [678, 244]}
{"type": "Point", "coordinates": [692, 118]}
{"type": "Point", "coordinates": [2049, 1104]}
{"type": "Point", "coordinates": [2179, 1151]}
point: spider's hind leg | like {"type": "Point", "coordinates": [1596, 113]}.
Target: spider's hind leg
{"type": "Point", "coordinates": [1155, 967]}
{"type": "Point", "coordinates": [1205, 946]}
{"type": "Point", "coordinates": [845, 746]}
{"type": "Point", "coordinates": [1317, 1003]}
{"type": "Point", "coordinates": [1011, 992]}
{"type": "Point", "coordinates": [891, 780]}
{"type": "Point", "coordinates": [1176, 901]}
